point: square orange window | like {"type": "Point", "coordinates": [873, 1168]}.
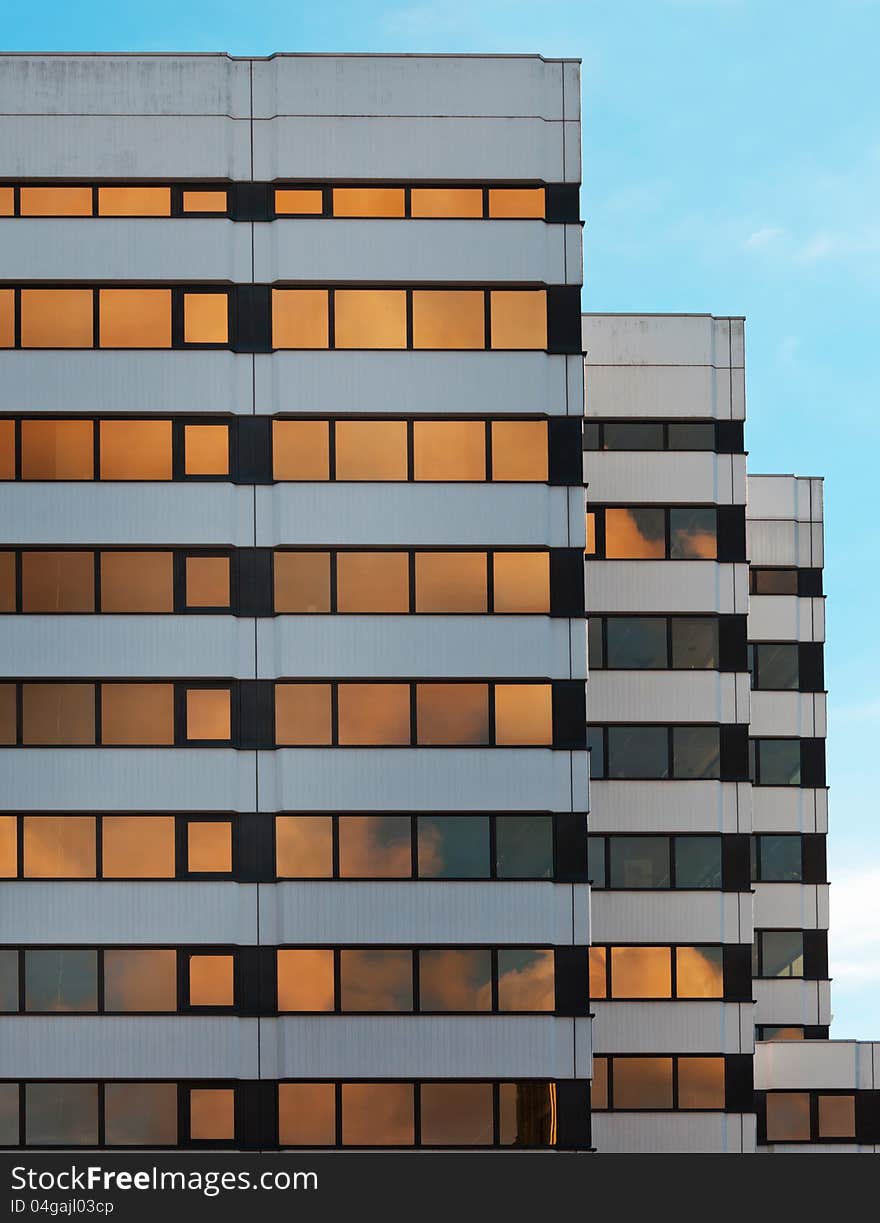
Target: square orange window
{"type": "Point", "coordinates": [205, 201]}
{"type": "Point", "coordinates": [206, 450]}
{"type": "Point", "coordinates": [206, 318]}
{"type": "Point", "coordinates": [207, 581]}
{"type": "Point", "coordinates": [209, 714]}
{"type": "Point", "coordinates": [212, 980]}
{"type": "Point", "coordinates": [209, 847]}
{"type": "Point", "coordinates": [212, 1114]}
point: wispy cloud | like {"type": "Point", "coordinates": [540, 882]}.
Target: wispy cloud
{"type": "Point", "coordinates": [760, 239]}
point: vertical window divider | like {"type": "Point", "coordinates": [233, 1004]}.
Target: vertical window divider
{"type": "Point", "coordinates": [493, 846]}
{"type": "Point", "coordinates": [670, 662]}
{"type": "Point", "coordinates": [490, 581]}
{"type": "Point", "coordinates": [99, 720]}
{"type": "Point", "coordinates": [331, 440]}
{"type": "Point", "coordinates": [675, 1081]}
{"type": "Point", "coordinates": [609, 1077]}
{"type": "Point", "coordinates": [670, 754]}
{"type": "Point", "coordinates": [16, 306]}
{"type": "Point", "coordinates": [16, 430]}
{"type": "Point", "coordinates": [96, 449]}
{"type": "Point", "coordinates": [331, 334]}
{"type": "Point", "coordinates": [19, 848]}
{"type": "Point", "coordinates": [609, 982]}
{"type": "Point", "coordinates": [417, 1114]}
{"type": "Point", "coordinates": [96, 555]}
{"type": "Point", "coordinates": [414, 844]}
{"type": "Point", "coordinates": [814, 1116]}
{"type": "Point", "coordinates": [99, 849]}
{"type": "Point", "coordinates": [413, 716]}
{"type": "Point", "coordinates": [407, 202]}
{"type": "Point", "coordinates": [96, 318]}
{"type": "Point", "coordinates": [488, 475]}
{"type": "Point", "coordinates": [493, 983]}
{"type": "Point", "coordinates": [337, 1096]}
{"type": "Point", "coordinates": [487, 319]}
{"type": "Point", "coordinates": [411, 580]}
{"type": "Point", "coordinates": [99, 973]}
{"type": "Point", "coordinates": [19, 714]}
{"type": "Point", "coordinates": [408, 297]}
{"type": "Point", "coordinates": [102, 1114]}
{"type": "Point", "coordinates": [673, 973]}
{"type": "Point", "coordinates": [16, 201]}
{"type": "Point", "coordinates": [22, 1001]}
{"type": "Point", "coordinates": [95, 201]}
{"type": "Point", "coordinates": [334, 582]}
{"type": "Point", "coordinates": [416, 993]}
{"type": "Point", "coordinates": [334, 719]}
{"type": "Point", "coordinates": [19, 594]}
{"type": "Point", "coordinates": [496, 1113]}
{"type": "Point", "coordinates": [491, 703]}
{"type": "Point", "coordinates": [337, 980]}
{"type": "Point", "coordinates": [410, 450]}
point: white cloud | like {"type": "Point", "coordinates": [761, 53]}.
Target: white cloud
{"type": "Point", "coordinates": [768, 235]}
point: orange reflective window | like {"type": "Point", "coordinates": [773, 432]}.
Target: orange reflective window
{"type": "Point", "coordinates": [135, 449]}
{"type": "Point", "coordinates": [523, 715]}
{"type": "Point", "coordinates": [134, 201]}
{"type": "Point", "coordinates": [7, 318]}
{"type": "Point", "coordinates": [527, 1114]}
{"type": "Point", "coordinates": [372, 581]}
{"type": "Point", "coordinates": [377, 1115]}
{"type": "Point", "coordinates": [8, 729]}
{"type": "Point", "coordinates": [305, 980]}
{"type": "Point", "coordinates": [205, 201]}
{"type": "Point", "coordinates": [447, 201]}
{"type": "Point", "coordinates": [375, 980]}
{"type": "Point", "coordinates": [371, 450]}
{"type": "Point", "coordinates": [8, 847]}
{"type": "Point", "coordinates": [449, 450]}
{"type": "Point", "coordinates": [208, 713]}
{"type": "Point", "coordinates": [642, 1082]}
{"type": "Point", "coordinates": [206, 450]}
{"type": "Point", "coordinates": [452, 713]}
{"type": "Point", "coordinates": [699, 972]}
{"type": "Point", "coordinates": [448, 318]}
{"type": "Point", "coordinates": [299, 201]}
{"type": "Point", "coordinates": [307, 1114]}
{"type": "Point", "coordinates": [136, 980]}
{"type": "Point", "coordinates": [212, 1114]}
{"type": "Point", "coordinates": [206, 318]}
{"type": "Point", "coordinates": [375, 847]}
{"type": "Point", "coordinates": [57, 450]}
{"type": "Point", "coordinates": [368, 201]}
{"type": "Point", "coordinates": [300, 318]}
{"type": "Point", "coordinates": [59, 847]}
{"type": "Point", "coordinates": [455, 980]}
{"type": "Point", "coordinates": [302, 715]}
{"type": "Point", "coordinates": [373, 715]}
{"type": "Point", "coordinates": [137, 582]}
{"type": "Point", "coordinates": [522, 582]}
{"type": "Point", "coordinates": [56, 201]}
{"type": "Point", "coordinates": [56, 318]}
{"type": "Point", "coordinates": [137, 846]}
{"type": "Point", "coordinates": [209, 846]}
{"type": "Point", "coordinates": [301, 449]}
{"type": "Point", "coordinates": [135, 318]}
{"type": "Point", "coordinates": [211, 980]}
{"type": "Point", "coordinates": [519, 450]}
{"type": "Point", "coordinates": [7, 581]}
{"type": "Point", "coordinates": [370, 318]}
{"type": "Point", "coordinates": [636, 534]}
{"type": "Point", "coordinates": [304, 846]}
{"type": "Point", "coordinates": [58, 582]}
{"type": "Point", "coordinates": [599, 1084]}
{"type": "Point", "coordinates": [58, 713]}
{"type": "Point", "coordinates": [641, 972]}
{"type": "Point", "coordinates": [451, 582]}
{"type": "Point", "coordinates": [527, 979]}
{"type": "Point", "coordinates": [700, 1082]}
{"type": "Point", "coordinates": [517, 202]}
{"type": "Point", "coordinates": [7, 447]}
{"type": "Point", "coordinates": [788, 1116]}
{"type": "Point", "coordinates": [837, 1116]}
{"type": "Point", "coordinates": [590, 545]}
{"type": "Point", "coordinates": [207, 581]}
{"type": "Point", "coordinates": [598, 979]}
{"type": "Point", "coordinates": [7, 201]}
{"type": "Point", "coordinates": [302, 581]}
{"type": "Point", "coordinates": [519, 318]}
{"type": "Point", "coordinates": [137, 714]}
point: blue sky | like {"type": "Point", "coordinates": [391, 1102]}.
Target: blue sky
{"type": "Point", "coordinates": [732, 166]}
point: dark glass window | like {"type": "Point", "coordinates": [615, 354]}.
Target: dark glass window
{"type": "Point", "coordinates": [788, 1116]}
{"type": "Point", "coordinates": [694, 643]}
{"type": "Point", "coordinates": [636, 642]}
{"type": "Point", "coordinates": [774, 665]}
{"type": "Point", "coordinates": [61, 1114]}
{"type": "Point", "coordinates": [8, 980]}
{"type": "Point", "coordinates": [453, 847]}
{"type": "Point", "coordinates": [375, 980]}
{"type": "Point", "coordinates": [777, 762]}
{"type": "Point", "coordinates": [639, 862]}
{"type": "Point", "coordinates": [527, 1114]}
{"type": "Point", "coordinates": [692, 534]}
{"type": "Point", "coordinates": [375, 847]}
{"type": "Point", "coordinates": [696, 752]}
{"type": "Point", "coordinates": [777, 858]}
{"type": "Point", "coordinates": [61, 980]}
{"type": "Point", "coordinates": [454, 980]}
{"type": "Point", "coordinates": [596, 748]}
{"type": "Point", "coordinates": [591, 435]}
{"type": "Point", "coordinates": [691, 435]}
{"type": "Point", "coordinates": [595, 652]}
{"type": "Point", "coordinates": [778, 953]}
{"type": "Point", "coordinates": [596, 861]}
{"type": "Point", "coordinates": [638, 752]}
{"type": "Point", "coordinates": [774, 581]}
{"type": "Point", "coordinates": [633, 435]}
{"type": "Point", "coordinates": [524, 846]}
{"type": "Point", "coordinates": [140, 1114]}
{"type": "Point", "coordinates": [698, 862]}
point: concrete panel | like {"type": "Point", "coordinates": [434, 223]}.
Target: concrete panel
{"type": "Point", "coordinates": [410, 251]}
{"type": "Point", "coordinates": [785, 497]}
{"type": "Point", "coordinates": [416, 514]}
{"type": "Point", "coordinates": [789, 809]}
{"type": "Point", "coordinates": [674, 917]}
{"type": "Point", "coordinates": [128, 147]}
{"type": "Point", "coordinates": [146, 911]}
{"type": "Point", "coordinates": [412, 383]}
{"type": "Point", "coordinates": [415, 645]}
{"type": "Point", "coordinates": [422, 779]}
{"type": "Point", "coordinates": [791, 906]}
{"type": "Point", "coordinates": [789, 1000]}
{"type": "Point", "coordinates": [659, 339]}
{"type": "Point", "coordinates": [83, 382]}
{"type": "Point", "coordinates": [664, 477]}
{"type": "Point", "coordinates": [668, 696]}
{"type": "Point", "coordinates": [424, 912]}
{"type": "Point", "coordinates": [659, 391]}
{"type": "Point", "coordinates": [673, 1133]}
{"type": "Point", "coordinates": [105, 1046]}
{"type": "Point", "coordinates": [833, 1065]}
{"type": "Point", "coordinates": [665, 586]}
{"type": "Point", "coordinates": [796, 714]}
{"type": "Point", "coordinates": [669, 806]}
{"type": "Point", "coordinates": [118, 249]}
{"type": "Point", "coordinates": [130, 646]}
{"type": "Point", "coordinates": [128, 779]}
{"type": "Point", "coordinates": [405, 147]}
{"type": "Point", "coordinates": [784, 542]}
{"type": "Point", "coordinates": [786, 618]}
{"type": "Point", "coordinates": [424, 1047]}
{"type": "Point", "coordinates": [672, 1027]}
{"type": "Point", "coordinates": [128, 513]}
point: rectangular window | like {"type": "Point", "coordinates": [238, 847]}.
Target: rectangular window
{"type": "Point", "coordinates": [7, 318]}
{"type": "Point", "coordinates": [61, 1114]}
{"type": "Point", "coordinates": [691, 435]}
{"type": "Point", "coordinates": [56, 201]}
{"type": "Point", "coordinates": [207, 582]}
{"type": "Point", "coordinates": [304, 846]}
{"type": "Point", "coordinates": [299, 201]}
{"type": "Point", "coordinates": [58, 714]}
{"type": "Point", "coordinates": [134, 202]}
{"type": "Point", "coordinates": [205, 201]}
{"type": "Point", "coordinates": [7, 201]}
{"type": "Point", "coordinates": [598, 971]}
{"type": "Point", "coordinates": [61, 980]}
{"type": "Point", "coordinates": [701, 1082]}
{"type": "Point", "coordinates": [374, 715]}
{"type": "Point", "coordinates": [300, 318]}
{"type": "Point", "coordinates": [8, 714]}
{"type": "Point", "coordinates": [368, 201]}
{"type": "Point", "coordinates": [209, 847]}
{"type": "Point", "coordinates": [378, 1115]}
{"type": "Point", "coordinates": [206, 318]}
{"type": "Point", "coordinates": [520, 450]}
{"type": "Point", "coordinates": [305, 980]}
{"type": "Point", "coordinates": [696, 752]}
{"type": "Point", "coordinates": [636, 752]}
{"type": "Point", "coordinates": [372, 582]}
{"type": "Point", "coordinates": [692, 534]}
{"type": "Point", "coordinates": [371, 980]}
{"type": "Point", "coordinates": [208, 714]}
{"type": "Point", "coordinates": [53, 582]}
{"type": "Point", "coordinates": [788, 1116]}
{"type": "Point", "coordinates": [212, 1114]}
{"type": "Point", "coordinates": [56, 318]}
{"type": "Point", "coordinates": [371, 450]}
{"type": "Point", "coordinates": [517, 202]}
{"type": "Point", "coordinates": [137, 846]}
{"type": "Point", "coordinates": [135, 318]}
{"type": "Point", "coordinates": [519, 318]}
{"type": "Point", "coordinates": [307, 1114]}
{"type": "Point", "coordinates": [447, 202]}
{"type": "Point", "coordinates": [774, 666]}
{"type": "Point", "coordinates": [639, 862]}
{"type": "Point", "coordinates": [140, 1114]}
{"type": "Point", "coordinates": [452, 714]}
{"type": "Point", "coordinates": [453, 980]}
{"type": "Point", "coordinates": [137, 715]}
{"type": "Point", "coordinates": [448, 318]}
{"type": "Point", "coordinates": [777, 762]}
{"type": "Point", "coordinates": [211, 980]}
{"type": "Point", "coordinates": [7, 436]}
{"type": "Point", "coordinates": [642, 1082]}
{"type": "Point", "coordinates": [694, 643]}
{"type": "Point", "coordinates": [302, 581]}
{"type": "Point", "coordinates": [773, 581]}
{"type": "Point", "coordinates": [449, 450]}
{"type": "Point", "coordinates": [206, 450]}
{"type": "Point", "coordinates": [777, 858]}
{"type": "Point", "coordinates": [636, 642]}
{"type": "Point", "coordinates": [451, 582]}
{"type": "Point", "coordinates": [521, 582]}
{"type": "Point", "coordinates": [301, 449]}
{"type": "Point", "coordinates": [59, 847]}
{"type": "Point", "coordinates": [697, 862]}
{"type": "Point", "coordinates": [635, 534]}
{"type": "Point", "coordinates": [9, 982]}
{"type": "Point", "coordinates": [57, 450]}
{"type": "Point", "coordinates": [524, 715]}
{"type": "Point", "coordinates": [302, 715]}
{"type": "Point", "coordinates": [370, 318]}
{"type": "Point", "coordinates": [699, 972]}
{"type": "Point", "coordinates": [526, 980]}
{"type": "Point", "coordinates": [8, 846]}
{"type": "Point", "coordinates": [136, 980]}
{"type": "Point", "coordinates": [641, 972]}
{"type": "Point", "coordinates": [453, 847]}
{"type": "Point", "coordinates": [632, 435]}
{"type": "Point", "coordinates": [527, 1114]}
{"type": "Point", "coordinates": [837, 1116]}
{"type": "Point", "coordinates": [524, 846]}
{"type": "Point", "coordinates": [456, 1114]}
{"type": "Point", "coordinates": [375, 847]}
{"type": "Point", "coordinates": [779, 953]}
{"type": "Point", "coordinates": [137, 582]}
{"type": "Point", "coordinates": [135, 449]}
